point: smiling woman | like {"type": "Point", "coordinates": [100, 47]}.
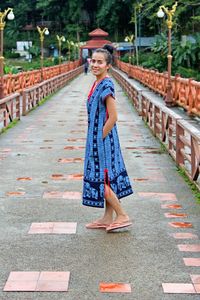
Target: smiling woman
{"type": "Point", "coordinates": [105, 177]}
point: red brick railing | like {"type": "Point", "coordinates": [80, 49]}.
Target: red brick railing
{"type": "Point", "coordinates": [17, 104]}
{"type": "Point", "coordinates": [181, 139]}
{"type": "Point", "coordinates": [33, 95]}
{"type": "Point", "coordinates": [17, 82]}
{"type": "Point", "coordinates": [9, 109]}
{"type": "Point", "coordinates": [186, 92]}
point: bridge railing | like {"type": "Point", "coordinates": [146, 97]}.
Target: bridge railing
{"type": "Point", "coordinates": [9, 109]}
{"type": "Point", "coordinates": [13, 83]}
{"type": "Point", "coordinates": [32, 96]}
{"type": "Point", "coordinates": [181, 139]}
{"type": "Point", "coordinates": [17, 104]}
{"type": "Point", "coordinates": [186, 92]}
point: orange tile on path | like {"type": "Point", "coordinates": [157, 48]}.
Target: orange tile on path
{"type": "Point", "coordinates": [62, 195]}
{"type": "Point", "coordinates": [181, 224]}
{"type": "Point", "coordinates": [171, 206]}
{"type": "Point", "coordinates": [159, 196]}
{"type": "Point", "coordinates": [195, 278]}
{"type": "Point", "coordinates": [14, 194]}
{"type": "Point", "coordinates": [53, 228]}
{"type": "Point", "coordinates": [191, 262]}
{"type": "Point", "coordinates": [24, 178]}
{"type": "Point", "coordinates": [189, 248]}
{"type": "Point", "coordinates": [185, 235]}
{"type": "Point", "coordinates": [37, 282]}
{"type": "Point", "coordinates": [197, 288]}
{"type": "Point", "coordinates": [175, 215]}
{"type": "Point", "coordinates": [113, 287]}
{"type": "Point", "coordinates": [71, 160]}
{"type": "Point", "coordinates": [178, 288]}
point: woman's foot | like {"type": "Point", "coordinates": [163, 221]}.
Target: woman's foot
{"type": "Point", "coordinates": [121, 221]}
{"type": "Point", "coordinates": [99, 223]}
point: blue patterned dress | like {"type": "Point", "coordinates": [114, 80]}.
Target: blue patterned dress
{"type": "Point", "coordinates": [103, 158]}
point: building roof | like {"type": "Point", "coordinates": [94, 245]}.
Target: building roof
{"type": "Point", "coordinates": [94, 44]}
{"type": "Point", "coordinates": [97, 39]}
{"type": "Point", "coordinates": [98, 32]}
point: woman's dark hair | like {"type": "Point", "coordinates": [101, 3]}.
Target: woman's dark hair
{"type": "Point", "coordinates": [107, 50]}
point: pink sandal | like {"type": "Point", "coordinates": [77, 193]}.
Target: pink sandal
{"type": "Point", "coordinates": [96, 225]}
{"type": "Point", "coordinates": [119, 225]}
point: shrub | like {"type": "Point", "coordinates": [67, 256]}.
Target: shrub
{"type": "Point", "coordinates": [10, 54]}
{"type": "Point", "coordinates": [188, 73]}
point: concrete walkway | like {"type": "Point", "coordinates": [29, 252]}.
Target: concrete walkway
{"type": "Point", "coordinates": [42, 221]}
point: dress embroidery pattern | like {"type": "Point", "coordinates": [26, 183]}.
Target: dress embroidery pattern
{"type": "Point", "coordinates": [103, 157]}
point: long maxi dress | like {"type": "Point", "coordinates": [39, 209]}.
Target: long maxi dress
{"type": "Point", "coordinates": [103, 158]}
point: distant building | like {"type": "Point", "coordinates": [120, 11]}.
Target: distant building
{"type": "Point", "coordinates": [124, 47]}
{"type": "Point", "coordinates": [98, 40]}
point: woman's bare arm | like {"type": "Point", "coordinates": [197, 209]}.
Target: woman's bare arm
{"type": "Point", "coordinates": [112, 115]}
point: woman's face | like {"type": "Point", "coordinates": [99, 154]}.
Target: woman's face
{"type": "Point", "coordinates": [99, 65]}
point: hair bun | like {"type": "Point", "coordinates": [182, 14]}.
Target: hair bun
{"type": "Point", "coordinates": [109, 48]}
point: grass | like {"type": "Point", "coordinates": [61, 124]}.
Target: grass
{"type": "Point", "coordinates": [193, 187]}
{"type": "Point", "coordinates": [11, 125]}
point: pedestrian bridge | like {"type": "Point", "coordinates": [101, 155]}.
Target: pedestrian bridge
{"type": "Point", "coordinates": [46, 252]}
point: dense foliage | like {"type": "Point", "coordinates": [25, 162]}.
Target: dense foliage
{"type": "Point", "coordinates": [76, 18]}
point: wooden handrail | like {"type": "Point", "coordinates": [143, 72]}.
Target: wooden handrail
{"type": "Point", "coordinates": [18, 82]}
{"type": "Point", "coordinates": [185, 91]}
{"type": "Point", "coordinates": [181, 138]}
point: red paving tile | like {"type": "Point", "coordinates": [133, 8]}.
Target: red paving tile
{"type": "Point", "coordinates": [62, 195]}
{"type": "Point", "coordinates": [114, 287]}
{"type": "Point", "coordinates": [141, 179]}
{"type": "Point", "coordinates": [189, 248]}
{"type": "Point", "coordinates": [175, 215]}
{"type": "Point", "coordinates": [192, 262]}
{"type": "Point", "coordinates": [197, 288]}
{"type": "Point", "coordinates": [181, 224]}
{"type": "Point", "coordinates": [45, 147]}
{"type": "Point", "coordinates": [67, 177]}
{"type": "Point", "coordinates": [41, 228]}
{"type": "Point", "coordinates": [75, 177]}
{"type": "Point", "coordinates": [21, 276]}
{"type": "Point", "coordinates": [178, 288]}
{"type": "Point", "coordinates": [185, 235]}
{"type": "Point", "coordinates": [195, 278]}
{"type": "Point", "coordinates": [10, 194]}
{"type": "Point", "coordinates": [20, 286]}
{"type": "Point", "coordinates": [171, 206]}
{"type": "Point", "coordinates": [52, 195]}
{"type": "Point", "coordinates": [74, 147]}
{"type": "Point", "coordinates": [58, 177]}
{"type": "Point", "coordinates": [24, 178]}
{"type": "Point", "coordinates": [71, 160]}
{"type": "Point", "coordinates": [160, 196]}
{"type": "Point", "coordinates": [77, 131]}
{"type": "Point", "coordinates": [5, 150]}
{"type": "Point", "coordinates": [53, 228]}
{"type": "Point", "coordinates": [72, 195]}
{"type": "Point", "coordinates": [46, 141]}
{"type": "Point", "coordinates": [76, 140]}
{"type": "Point", "coordinates": [37, 281]}
{"type": "Point", "coordinates": [54, 276]}
{"type": "Point", "coordinates": [52, 286]}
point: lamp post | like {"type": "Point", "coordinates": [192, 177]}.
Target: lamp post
{"type": "Point", "coordinates": [60, 40]}
{"type": "Point", "coordinates": [129, 38]}
{"type": "Point", "coordinates": [42, 32]}
{"type": "Point", "coordinates": [9, 13]}
{"type": "Point", "coordinates": [161, 12]}
{"type": "Point", "coordinates": [69, 45]}
{"type": "Point", "coordinates": [77, 47]}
